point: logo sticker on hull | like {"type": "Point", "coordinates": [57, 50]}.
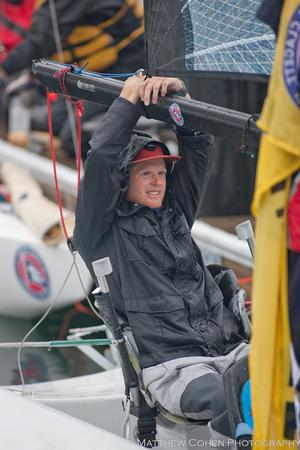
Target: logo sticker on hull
{"type": "Point", "coordinates": [32, 273]}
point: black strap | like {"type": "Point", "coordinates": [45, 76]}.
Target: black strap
{"type": "Point", "coordinates": [13, 26]}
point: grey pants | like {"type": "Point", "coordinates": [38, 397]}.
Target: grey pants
{"type": "Point", "coordinates": [192, 386]}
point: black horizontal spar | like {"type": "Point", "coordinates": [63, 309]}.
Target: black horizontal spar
{"type": "Point", "coordinates": [227, 123]}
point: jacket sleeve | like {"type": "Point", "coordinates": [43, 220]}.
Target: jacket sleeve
{"type": "Point", "coordinates": [40, 41]}
{"type": "Point", "coordinates": [191, 173]}
{"type": "Point", "coordinates": [101, 186]}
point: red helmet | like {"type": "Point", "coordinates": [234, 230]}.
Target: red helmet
{"type": "Point", "coordinates": [153, 151]}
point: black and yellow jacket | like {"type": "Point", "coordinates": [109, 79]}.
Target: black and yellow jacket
{"type": "Point", "coordinates": [94, 32]}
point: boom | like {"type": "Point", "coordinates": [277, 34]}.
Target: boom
{"type": "Point", "coordinates": [216, 120]}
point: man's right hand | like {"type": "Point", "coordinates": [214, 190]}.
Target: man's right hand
{"type": "Point", "coordinates": [131, 88]}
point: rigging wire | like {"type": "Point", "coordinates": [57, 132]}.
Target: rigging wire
{"type": "Point", "coordinates": [71, 117]}
{"type": "Point", "coordinates": [125, 424]}
{"type": "Point", "coordinates": [60, 52]}
{"type": "Point", "coordinates": [81, 71]}
{"type": "Point", "coordinates": [38, 324]}
{"type": "Point", "coordinates": [21, 345]}
{"type": "Point", "coordinates": [104, 75]}
{"type": "Point", "coordinates": [70, 112]}
{"type": "Point", "coordinates": [85, 292]}
{"type": "Point", "coordinates": [54, 168]}
{"type": "Point", "coordinates": [61, 212]}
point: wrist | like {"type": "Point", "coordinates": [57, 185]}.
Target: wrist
{"type": "Point", "coordinates": [182, 92]}
{"type": "Point", "coordinates": [129, 95]}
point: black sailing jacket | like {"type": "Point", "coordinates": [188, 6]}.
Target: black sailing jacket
{"type": "Point", "coordinates": [159, 282]}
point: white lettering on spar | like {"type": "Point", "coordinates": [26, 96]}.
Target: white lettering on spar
{"type": "Point", "coordinates": [86, 86]}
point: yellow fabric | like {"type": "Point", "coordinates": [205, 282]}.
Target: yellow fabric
{"type": "Point", "coordinates": [38, 3]}
{"type": "Point", "coordinates": [83, 34]}
{"type": "Point", "coordinates": [91, 45]}
{"type": "Point", "coordinates": [137, 6]}
{"type": "Point", "coordinates": [95, 44]}
{"type": "Point", "coordinates": [118, 16]}
{"type": "Point", "coordinates": [279, 158]}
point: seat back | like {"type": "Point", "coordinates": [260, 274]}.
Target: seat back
{"type": "Point", "coordinates": [234, 296]}
{"type": "Point", "coordinates": [238, 398]}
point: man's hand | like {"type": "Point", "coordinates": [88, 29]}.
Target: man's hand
{"type": "Point", "coordinates": [149, 89]}
{"type": "Point", "coordinates": [153, 87]}
{"type": "Point", "coordinates": [131, 87]}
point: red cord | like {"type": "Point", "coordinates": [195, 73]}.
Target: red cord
{"type": "Point", "coordinates": [84, 310]}
{"type": "Point", "coordinates": [54, 166]}
{"type": "Point", "coordinates": [61, 75]}
{"type": "Point", "coordinates": [66, 322]}
{"type": "Point", "coordinates": [78, 308]}
{"type": "Point", "coordinates": [79, 113]}
{"type": "Point", "coordinates": [244, 280]}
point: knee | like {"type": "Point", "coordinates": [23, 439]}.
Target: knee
{"type": "Point", "coordinates": [204, 398]}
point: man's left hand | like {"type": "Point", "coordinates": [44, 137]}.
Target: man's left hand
{"type": "Point", "coordinates": [153, 87]}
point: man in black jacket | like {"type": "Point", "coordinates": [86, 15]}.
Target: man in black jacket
{"type": "Point", "coordinates": [105, 35]}
{"type": "Point", "coordinates": [137, 204]}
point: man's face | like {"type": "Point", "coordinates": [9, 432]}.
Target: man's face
{"type": "Point", "coordinates": [147, 183]}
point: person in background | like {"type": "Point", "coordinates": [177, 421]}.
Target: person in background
{"type": "Point", "coordinates": [104, 36]}
{"type": "Point", "coordinates": [15, 21]}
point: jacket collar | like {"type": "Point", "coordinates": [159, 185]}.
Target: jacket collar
{"type": "Point", "coordinates": [125, 208]}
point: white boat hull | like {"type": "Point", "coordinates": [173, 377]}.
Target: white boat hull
{"type": "Point", "coordinates": [97, 399]}
{"type": "Point", "coordinates": [28, 425]}
{"type": "Point", "coordinates": [33, 273]}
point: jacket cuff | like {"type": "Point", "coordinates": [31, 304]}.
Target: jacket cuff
{"type": "Point", "coordinates": [130, 111]}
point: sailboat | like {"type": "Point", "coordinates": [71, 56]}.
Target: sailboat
{"type": "Point", "coordinates": [36, 259]}
{"type": "Point", "coordinates": [171, 22]}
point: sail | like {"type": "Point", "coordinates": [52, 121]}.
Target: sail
{"type": "Point", "coordinates": [201, 37]}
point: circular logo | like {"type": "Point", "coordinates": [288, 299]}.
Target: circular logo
{"type": "Point", "coordinates": [291, 58]}
{"type": "Point", "coordinates": [32, 273]}
{"type": "Point", "coordinates": [176, 114]}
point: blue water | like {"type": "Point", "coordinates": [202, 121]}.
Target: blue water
{"type": "Point", "coordinates": [40, 364]}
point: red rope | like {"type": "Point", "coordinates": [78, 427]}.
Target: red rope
{"type": "Point", "coordinates": [54, 166]}
{"type": "Point", "coordinates": [78, 308]}
{"type": "Point", "coordinates": [84, 310]}
{"type": "Point", "coordinates": [66, 322]}
{"type": "Point", "coordinates": [244, 280]}
{"type": "Point", "coordinates": [79, 113]}
{"type": "Point", "coordinates": [61, 76]}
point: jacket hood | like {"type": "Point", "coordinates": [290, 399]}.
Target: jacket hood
{"type": "Point", "coordinates": [137, 142]}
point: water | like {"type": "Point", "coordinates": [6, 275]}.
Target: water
{"type": "Point", "coordinates": [38, 364]}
